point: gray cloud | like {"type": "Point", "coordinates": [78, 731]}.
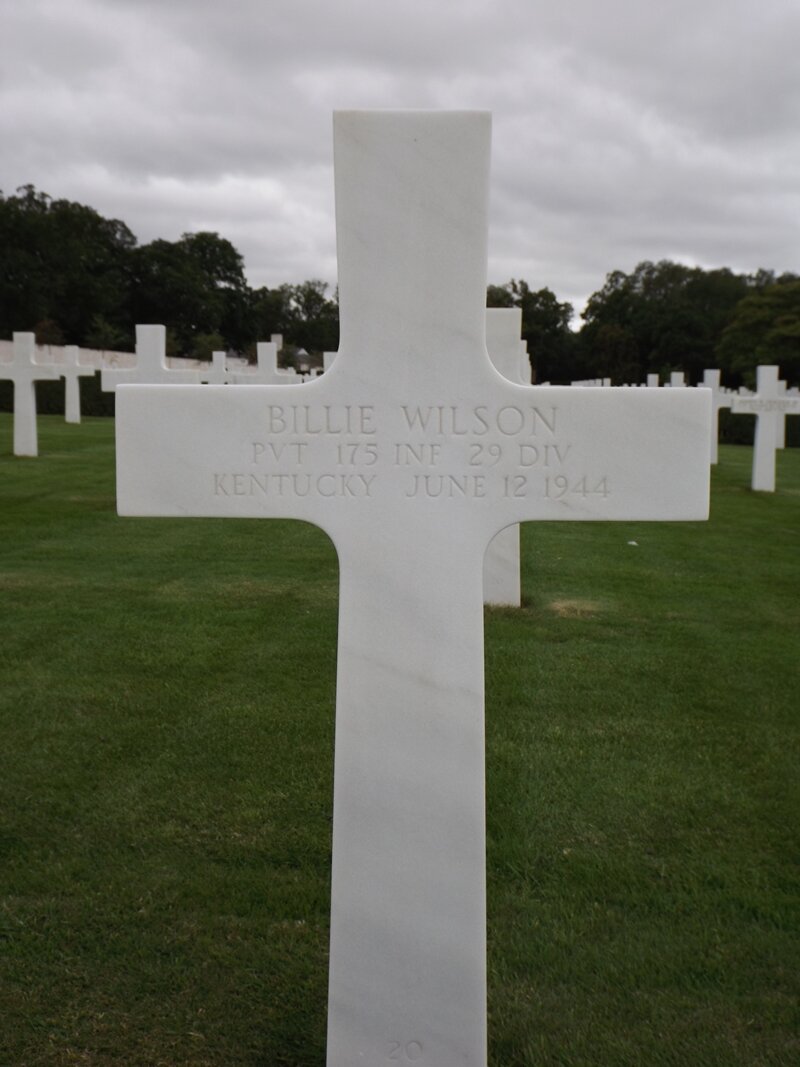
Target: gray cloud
{"type": "Point", "coordinates": [623, 130]}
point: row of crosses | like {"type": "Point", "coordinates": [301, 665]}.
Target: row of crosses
{"type": "Point", "coordinates": [771, 402]}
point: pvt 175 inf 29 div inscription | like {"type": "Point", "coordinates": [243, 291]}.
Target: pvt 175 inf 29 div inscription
{"type": "Point", "coordinates": [537, 452]}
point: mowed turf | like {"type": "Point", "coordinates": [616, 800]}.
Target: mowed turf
{"type": "Point", "coordinates": [167, 704]}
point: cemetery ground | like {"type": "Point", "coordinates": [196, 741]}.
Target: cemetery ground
{"type": "Point", "coordinates": [167, 700]}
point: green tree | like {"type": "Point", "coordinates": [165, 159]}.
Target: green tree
{"type": "Point", "coordinates": [312, 318]}
{"type": "Point", "coordinates": [205, 344]}
{"type": "Point", "coordinates": [48, 332]}
{"type": "Point", "coordinates": [61, 261]}
{"type": "Point", "coordinates": [765, 328]}
{"type": "Point", "coordinates": [666, 316]}
{"type": "Point", "coordinates": [500, 296]}
{"type": "Point", "coordinates": [545, 327]}
{"type": "Point", "coordinates": [615, 354]}
{"type": "Point", "coordinates": [105, 336]}
{"type": "Point", "coordinates": [196, 285]}
{"type": "Point", "coordinates": [268, 312]}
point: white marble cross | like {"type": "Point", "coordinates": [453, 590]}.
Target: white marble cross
{"type": "Point", "coordinates": [412, 452]}
{"type": "Point", "coordinates": [501, 564]}
{"type": "Point", "coordinates": [509, 354]}
{"type": "Point", "coordinates": [267, 371]}
{"type": "Point", "coordinates": [720, 398]}
{"type": "Point", "coordinates": [785, 394]}
{"type": "Point", "coordinates": [72, 370]}
{"type": "Point", "coordinates": [216, 373]}
{"type": "Point", "coordinates": [770, 405]}
{"type": "Point", "coordinates": [24, 372]}
{"type": "Point", "coordinates": [151, 364]}
{"type": "Point", "coordinates": [525, 368]}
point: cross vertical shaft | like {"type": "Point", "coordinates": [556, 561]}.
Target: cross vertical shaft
{"type": "Point", "coordinates": [408, 928]}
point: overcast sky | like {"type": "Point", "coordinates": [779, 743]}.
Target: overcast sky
{"type": "Point", "coordinates": [623, 129]}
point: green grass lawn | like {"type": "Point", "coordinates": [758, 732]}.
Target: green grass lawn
{"type": "Point", "coordinates": [167, 702]}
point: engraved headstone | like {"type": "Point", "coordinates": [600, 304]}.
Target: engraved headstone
{"type": "Point", "coordinates": [652, 381]}
{"type": "Point", "coordinates": [151, 364]}
{"type": "Point", "coordinates": [24, 372]}
{"type": "Point", "coordinates": [770, 406]}
{"type": "Point", "coordinates": [677, 380]}
{"type": "Point", "coordinates": [412, 377]}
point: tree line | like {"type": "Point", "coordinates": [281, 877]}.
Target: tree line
{"type": "Point", "coordinates": [74, 277]}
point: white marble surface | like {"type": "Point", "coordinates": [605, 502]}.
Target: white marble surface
{"type": "Point", "coordinates": [267, 371]}
{"type": "Point", "coordinates": [89, 357]}
{"type": "Point", "coordinates": [151, 364]}
{"type": "Point", "coordinates": [23, 370]}
{"type": "Point", "coordinates": [216, 372]}
{"type": "Point", "coordinates": [720, 398]}
{"type": "Point", "coordinates": [502, 585]}
{"type": "Point", "coordinates": [780, 429]}
{"type": "Point", "coordinates": [770, 404]}
{"type": "Point", "coordinates": [525, 368]}
{"type": "Point", "coordinates": [72, 370]}
{"type": "Point", "coordinates": [412, 452]}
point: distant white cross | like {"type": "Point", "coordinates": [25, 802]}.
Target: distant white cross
{"type": "Point", "coordinates": [720, 398]}
{"type": "Point", "coordinates": [412, 452]}
{"type": "Point", "coordinates": [72, 370]}
{"type": "Point", "coordinates": [24, 372]}
{"type": "Point", "coordinates": [525, 369]}
{"type": "Point", "coordinates": [151, 364]}
{"type": "Point", "coordinates": [770, 405]}
{"type": "Point", "coordinates": [501, 564]}
{"type": "Point", "coordinates": [266, 371]}
{"type": "Point", "coordinates": [785, 394]}
{"type": "Point", "coordinates": [217, 371]}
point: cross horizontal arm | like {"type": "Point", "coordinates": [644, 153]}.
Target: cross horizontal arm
{"type": "Point", "coordinates": [326, 454]}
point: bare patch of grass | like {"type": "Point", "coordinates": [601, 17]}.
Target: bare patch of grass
{"type": "Point", "coordinates": [575, 609]}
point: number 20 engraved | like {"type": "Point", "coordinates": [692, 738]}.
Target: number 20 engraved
{"type": "Point", "coordinates": [408, 1052]}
